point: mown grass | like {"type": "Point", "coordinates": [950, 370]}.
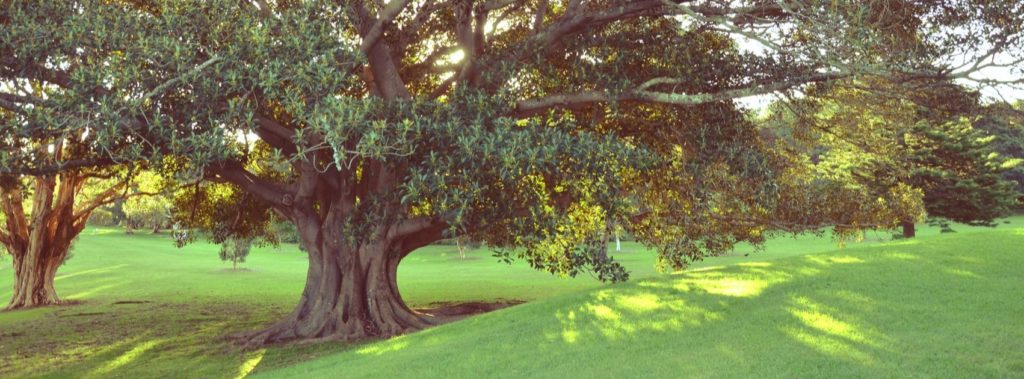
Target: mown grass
{"type": "Point", "coordinates": [948, 306]}
{"type": "Point", "coordinates": [147, 309]}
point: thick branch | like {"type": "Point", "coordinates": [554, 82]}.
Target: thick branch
{"type": "Point", "coordinates": [235, 174]}
{"type": "Point", "coordinates": [51, 168]}
{"type": "Point", "coordinates": [422, 237]}
{"type": "Point", "coordinates": [642, 93]}
{"type": "Point", "coordinates": [106, 198]}
{"type": "Point", "coordinates": [387, 15]}
{"type": "Point", "coordinates": [416, 225]}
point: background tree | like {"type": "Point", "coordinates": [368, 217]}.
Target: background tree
{"type": "Point", "coordinates": [41, 217]}
{"type": "Point", "coordinates": [153, 212]}
{"type": "Point", "coordinates": [923, 139]}
{"type": "Point", "coordinates": [1005, 122]}
{"type": "Point", "coordinates": [526, 125]}
{"type": "Point", "coordinates": [235, 251]}
{"type": "Point", "coordinates": [102, 217]}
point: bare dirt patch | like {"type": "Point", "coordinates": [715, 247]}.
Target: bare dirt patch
{"type": "Point", "coordinates": [454, 311]}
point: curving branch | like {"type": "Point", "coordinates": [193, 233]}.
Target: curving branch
{"type": "Point", "coordinates": [234, 173]}
{"type": "Point", "coordinates": [643, 93]}
{"type": "Point", "coordinates": [387, 15]}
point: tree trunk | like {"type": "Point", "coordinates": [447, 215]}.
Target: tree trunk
{"type": "Point", "coordinates": [34, 274]}
{"type": "Point", "coordinates": [40, 246]}
{"type": "Point", "coordinates": [351, 292]}
{"type": "Point", "coordinates": [908, 229]}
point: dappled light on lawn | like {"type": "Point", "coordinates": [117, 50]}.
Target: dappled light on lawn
{"type": "Point", "coordinates": [859, 311]}
{"type": "Point", "coordinates": [254, 359]}
{"type": "Point", "coordinates": [97, 289]}
{"type": "Point", "coordinates": [643, 302]}
{"type": "Point", "coordinates": [963, 273]}
{"type": "Point", "coordinates": [128, 356]}
{"type": "Point", "coordinates": [903, 256]}
{"type": "Point", "coordinates": [94, 271]}
{"type": "Point", "coordinates": [394, 344]}
{"type": "Point", "coordinates": [824, 331]}
{"type": "Point", "coordinates": [862, 312]}
{"type": "Point", "coordinates": [623, 313]}
{"type": "Point", "coordinates": [689, 299]}
{"type": "Point", "coordinates": [830, 260]}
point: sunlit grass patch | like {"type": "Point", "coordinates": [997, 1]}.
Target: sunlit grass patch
{"type": "Point", "coordinates": [864, 312]}
{"type": "Point", "coordinates": [874, 314]}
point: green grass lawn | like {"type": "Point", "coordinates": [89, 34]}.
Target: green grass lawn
{"type": "Point", "coordinates": [950, 306]}
{"type": "Point", "coordinates": [149, 309]}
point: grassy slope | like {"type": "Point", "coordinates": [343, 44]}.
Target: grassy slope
{"type": "Point", "coordinates": [194, 302]}
{"type": "Point", "coordinates": [949, 306]}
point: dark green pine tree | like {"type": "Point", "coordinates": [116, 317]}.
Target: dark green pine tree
{"type": "Point", "coordinates": [1006, 123]}
{"type": "Point", "coordinates": [960, 173]}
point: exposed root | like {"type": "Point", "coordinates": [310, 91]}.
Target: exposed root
{"type": "Point", "coordinates": [286, 331]}
{"type": "Point", "coordinates": [22, 305]}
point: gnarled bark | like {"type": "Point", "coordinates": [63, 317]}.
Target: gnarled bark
{"type": "Point", "coordinates": [351, 292]}
{"type": "Point", "coordinates": [34, 272]}
{"type": "Point", "coordinates": [39, 240]}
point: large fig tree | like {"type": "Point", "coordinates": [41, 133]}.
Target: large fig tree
{"type": "Point", "coordinates": [530, 125]}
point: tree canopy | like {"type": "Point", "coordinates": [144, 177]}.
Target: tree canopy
{"type": "Point", "coordinates": [883, 136]}
{"type": "Point", "coordinates": [528, 125]}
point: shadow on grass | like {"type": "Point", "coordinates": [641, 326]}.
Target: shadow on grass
{"type": "Point", "coordinates": [850, 312]}
{"type": "Point", "coordinates": [132, 339]}
{"type": "Point", "coordinates": [948, 307]}
{"type": "Point", "coordinates": [910, 308]}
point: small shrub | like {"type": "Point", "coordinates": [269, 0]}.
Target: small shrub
{"type": "Point", "coordinates": [942, 223]}
{"type": "Point", "coordinates": [235, 251]}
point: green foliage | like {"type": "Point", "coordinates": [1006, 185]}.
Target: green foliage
{"type": "Point", "coordinates": [286, 232]}
{"type": "Point", "coordinates": [943, 224]}
{"type": "Point", "coordinates": [235, 250]}
{"type": "Point", "coordinates": [366, 133]}
{"type": "Point", "coordinates": [152, 210]}
{"type": "Point", "coordinates": [1006, 123]}
{"type": "Point", "coordinates": [867, 137]}
{"type": "Point", "coordinates": [961, 174]}
{"type": "Point", "coordinates": [102, 217]}
{"type": "Point", "coordinates": [223, 212]}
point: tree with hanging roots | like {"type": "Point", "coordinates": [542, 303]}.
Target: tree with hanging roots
{"type": "Point", "coordinates": [528, 125]}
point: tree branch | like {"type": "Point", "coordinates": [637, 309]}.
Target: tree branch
{"type": "Point", "coordinates": [57, 167]}
{"type": "Point", "coordinates": [195, 70]}
{"type": "Point", "coordinates": [642, 93]}
{"type": "Point", "coordinates": [107, 197]}
{"type": "Point", "coordinates": [234, 173]}
{"type": "Point", "coordinates": [387, 15]}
